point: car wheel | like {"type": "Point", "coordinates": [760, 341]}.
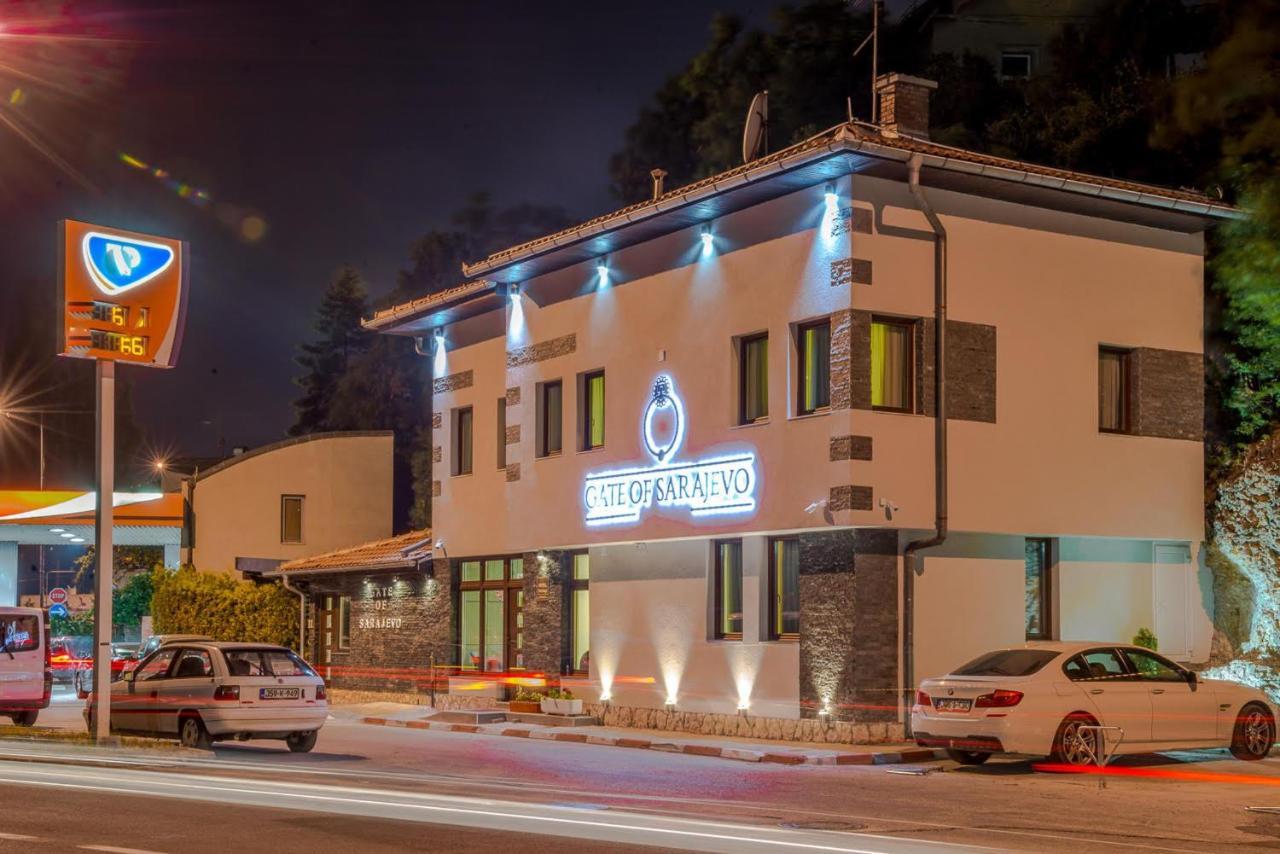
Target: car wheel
{"type": "Point", "coordinates": [968, 757]}
{"type": "Point", "coordinates": [27, 718]}
{"type": "Point", "coordinates": [193, 734]}
{"type": "Point", "coordinates": [1254, 733]}
{"type": "Point", "coordinates": [301, 742]}
{"type": "Point", "coordinates": [1073, 746]}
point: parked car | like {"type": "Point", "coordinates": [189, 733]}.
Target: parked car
{"type": "Point", "coordinates": [154, 642]}
{"type": "Point", "coordinates": [68, 654]}
{"type": "Point", "coordinates": [204, 691]}
{"type": "Point", "coordinates": [26, 677]}
{"type": "Point", "coordinates": [1040, 699]}
{"type": "Point", "coordinates": [123, 657]}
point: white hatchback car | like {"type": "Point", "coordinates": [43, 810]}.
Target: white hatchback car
{"type": "Point", "coordinates": [204, 691]}
{"type": "Point", "coordinates": [1040, 700]}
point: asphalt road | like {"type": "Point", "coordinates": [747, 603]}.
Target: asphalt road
{"type": "Point", "coordinates": [1189, 802]}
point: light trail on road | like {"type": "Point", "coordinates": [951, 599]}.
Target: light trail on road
{"type": "Point", "coordinates": [453, 810]}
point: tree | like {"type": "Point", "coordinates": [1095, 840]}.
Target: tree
{"type": "Point", "coordinates": [1231, 108]}
{"type": "Point", "coordinates": [126, 561]}
{"type": "Point", "coordinates": [341, 341]}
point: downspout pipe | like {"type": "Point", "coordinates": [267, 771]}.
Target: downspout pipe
{"type": "Point", "coordinates": [911, 561]}
{"type": "Point", "coordinates": [302, 615]}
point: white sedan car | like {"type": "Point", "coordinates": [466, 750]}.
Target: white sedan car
{"type": "Point", "coordinates": [204, 691]}
{"type": "Point", "coordinates": [1042, 698]}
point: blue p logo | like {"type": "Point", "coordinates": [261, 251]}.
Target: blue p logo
{"type": "Point", "coordinates": [117, 264]}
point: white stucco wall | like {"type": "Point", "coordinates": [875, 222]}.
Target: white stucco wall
{"type": "Point", "coordinates": [651, 633]}
{"type": "Point", "coordinates": [347, 487]}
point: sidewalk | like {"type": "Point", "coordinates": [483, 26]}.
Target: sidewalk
{"type": "Point", "coordinates": [722, 747]}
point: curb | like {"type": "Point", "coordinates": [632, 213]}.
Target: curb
{"type": "Point", "coordinates": [739, 754]}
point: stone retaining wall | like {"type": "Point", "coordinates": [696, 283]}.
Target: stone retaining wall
{"type": "Point", "coordinates": [748, 726]}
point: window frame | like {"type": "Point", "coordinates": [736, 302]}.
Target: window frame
{"type": "Point", "coordinates": [455, 451]}
{"type": "Point", "coordinates": [575, 586]}
{"type": "Point", "coordinates": [1125, 407]}
{"type": "Point", "coordinates": [718, 590]}
{"type": "Point", "coordinates": [1127, 653]}
{"type": "Point", "coordinates": [774, 631]}
{"type": "Point", "coordinates": [286, 497]}
{"type": "Point", "coordinates": [543, 451]}
{"type": "Point", "coordinates": [1046, 589]}
{"type": "Point", "coordinates": [1019, 53]}
{"type": "Point", "coordinates": [744, 341]}
{"type": "Point", "coordinates": [585, 401]}
{"type": "Point", "coordinates": [801, 366]}
{"type": "Point", "coordinates": [911, 325]}
{"type": "Point", "coordinates": [507, 584]}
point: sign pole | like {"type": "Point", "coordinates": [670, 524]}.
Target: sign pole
{"type": "Point", "coordinates": [105, 459]}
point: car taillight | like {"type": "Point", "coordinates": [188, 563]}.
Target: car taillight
{"type": "Point", "coordinates": [227, 692]}
{"type": "Point", "coordinates": [1000, 699]}
{"type": "Point", "coordinates": [923, 699]}
{"type": "Point", "coordinates": [320, 694]}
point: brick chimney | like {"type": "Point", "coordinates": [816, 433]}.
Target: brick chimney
{"type": "Point", "coordinates": [904, 104]}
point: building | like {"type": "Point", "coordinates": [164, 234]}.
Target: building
{"type": "Point", "coordinates": [291, 499]}
{"type": "Point", "coordinates": [686, 453]}
{"type": "Point", "coordinates": [1013, 35]}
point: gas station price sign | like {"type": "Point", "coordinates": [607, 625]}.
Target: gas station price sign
{"type": "Point", "coordinates": [124, 295]}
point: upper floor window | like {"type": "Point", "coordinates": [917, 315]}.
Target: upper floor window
{"type": "Point", "coordinates": [591, 410]}
{"type": "Point", "coordinates": [815, 367]}
{"type": "Point", "coordinates": [550, 418]}
{"type": "Point", "coordinates": [1113, 390]}
{"type": "Point", "coordinates": [291, 518]}
{"type": "Point", "coordinates": [784, 587]}
{"type": "Point", "coordinates": [462, 440]}
{"type": "Point", "coordinates": [502, 432]}
{"type": "Point", "coordinates": [753, 378]}
{"type": "Point", "coordinates": [892, 364]}
{"type": "Point", "coordinates": [1015, 64]}
{"type": "Point", "coordinates": [1036, 572]}
{"type": "Point", "coordinates": [728, 589]}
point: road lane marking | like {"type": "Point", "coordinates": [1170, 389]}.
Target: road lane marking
{"type": "Point", "coordinates": [18, 837]}
{"type": "Point", "coordinates": [111, 849]}
{"type": "Point", "coordinates": [697, 833]}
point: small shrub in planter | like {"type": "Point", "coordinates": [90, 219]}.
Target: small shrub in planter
{"type": "Point", "coordinates": [560, 701]}
{"type": "Point", "coordinates": [528, 702]}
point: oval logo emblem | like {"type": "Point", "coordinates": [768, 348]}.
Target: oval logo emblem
{"type": "Point", "coordinates": [117, 264]}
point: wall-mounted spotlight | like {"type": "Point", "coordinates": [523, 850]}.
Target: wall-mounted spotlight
{"type": "Point", "coordinates": [708, 239]}
{"type": "Point", "coordinates": [513, 291]}
{"type": "Point", "coordinates": [831, 193]}
{"type": "Point", "coordinates": [440, 546]}
{"type": "Point", "coordinates": [602, 273]}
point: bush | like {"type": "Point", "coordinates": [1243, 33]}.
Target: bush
{"type": "Point", "coordinates": [190, 602]}
{"type": "Point", "coordinates": [1145, 638]}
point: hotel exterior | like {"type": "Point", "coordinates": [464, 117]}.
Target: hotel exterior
{"type": "Point", "coordinates": [690, 456]}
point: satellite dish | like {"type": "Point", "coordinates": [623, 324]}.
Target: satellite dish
{"type": "Point", "coordinates": [755, 136]}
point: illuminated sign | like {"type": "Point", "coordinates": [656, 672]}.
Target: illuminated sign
{"type": "Point", "coordinates": [124, 295]}
{"type": "Point", "coordinates": [722, 484]}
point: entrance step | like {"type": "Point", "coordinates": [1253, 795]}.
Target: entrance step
{"type": "Point", "coordinates": [471, 716]}
{"type": "Point", "coordinates": [540, 719]}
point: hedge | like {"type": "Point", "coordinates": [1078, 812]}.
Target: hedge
{"type": "Point", "coordinates": [204, 603]}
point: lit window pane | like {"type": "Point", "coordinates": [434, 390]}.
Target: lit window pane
{"type": "Point", "coordinates": [815, 370]}
{"type": "Point", "coordinates": [891, 365]}
{"type": "Point", "coordinates": [593, 432]}
{"type": "Point", "coordinates": [493, 634]}
{"type": "Point", "coordinates": [786, 587]}
{"type": "Point", "coordinates": [471, 570]}
{"type": "Point", "coordinates": [493, 570]}
{"type": "Point", "coordinates": [729, 583]}
{"type": "Point", "coordinates": [470, 618]}
{"type": "Point", "coordinates": [1036, 577]}
{"type": "Point", "coordinates": [517, 567]}
{"type": "Point", "coordinates": [581, 566]}
{"type": "Point", "coordinates": [581, 629]}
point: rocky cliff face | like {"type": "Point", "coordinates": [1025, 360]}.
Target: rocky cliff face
{"type": "Point", "coordinates": [1245, 558]}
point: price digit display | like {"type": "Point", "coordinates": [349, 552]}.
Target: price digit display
{"type": "Point", "coordinates": [129, 345]}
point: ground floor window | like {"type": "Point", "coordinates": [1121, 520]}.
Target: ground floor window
{"type": "Point", "coordinates": [728, 589]}
{"type": "Point", "coordinates": [1038, 562]}
{"type": "Point", "coordinates": [580, 605]}
{"type": "Point", "coordinates": [784, 588]}
{"type": "Point", "coordinates": [491, 614]}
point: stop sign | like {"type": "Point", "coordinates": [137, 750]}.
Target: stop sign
{"type": "Point", "coordinates": [58, 596]}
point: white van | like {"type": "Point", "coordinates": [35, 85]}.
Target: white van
{"type": "Point", "coordinates": [26, 677]}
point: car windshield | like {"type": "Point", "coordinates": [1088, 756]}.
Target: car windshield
{"type": "Point", "coordinates": [1008, 662]}
{"type": "Point", "coordinates": [19, 633]}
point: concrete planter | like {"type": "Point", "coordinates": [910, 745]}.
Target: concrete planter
{"type": "Point", "coordinates": [561, 707]}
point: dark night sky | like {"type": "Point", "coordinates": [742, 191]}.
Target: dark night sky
{"type": "Point", "coordinates": [350, 128]}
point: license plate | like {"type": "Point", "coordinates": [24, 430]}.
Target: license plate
{"type": "Point", "coordinates": [952, 705]}
{"type": "Point", "coordinates": [279, 693]}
